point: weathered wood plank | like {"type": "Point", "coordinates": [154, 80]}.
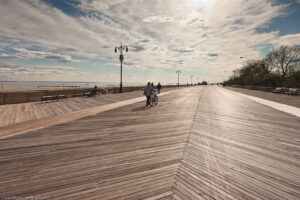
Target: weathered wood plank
{"type": "Point", "coordinates": [127, 153]}
{"type": "Point", "coordinates": [199, 143]}
{"type": "Point", "coordinates": [239, 149]}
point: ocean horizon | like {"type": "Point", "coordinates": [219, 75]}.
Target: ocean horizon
{"type": "Point", "coordinates": [54, 84]}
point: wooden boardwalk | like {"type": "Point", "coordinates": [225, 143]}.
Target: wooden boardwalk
{"type": "Point", "coordinates": [239, 149]}
{"type": "Point", "coordinates": [126, 153]}
{"type": "Point", "coordinates": [17, 113]}
{"type": "Point", "coordinates": [198, 143]}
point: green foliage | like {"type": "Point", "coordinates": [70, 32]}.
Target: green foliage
{"type": "Point", "coordinates": [267, 80]}
{"type": "Point", "coordinates": [280, 68]}
{"type": "Point", "coordinates": [293, 80]}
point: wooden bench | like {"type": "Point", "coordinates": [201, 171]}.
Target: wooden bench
{"type": "Point", "coordinates": [87, 94]}
{"type": "Point", "coordinates": [61, 97]}
{"type": "Point", "coordinates": [52, 98]}
{"type": "Point", "coordinates": [48, 98]}
{"type": "Point", "coordinates": [292, 91]}
{"type": "Point", "coordinates": [90, 93]}
{"type": "Point", "coordinates": [277, 90]}
{"type": "Point", "coordinates": [77, 95]}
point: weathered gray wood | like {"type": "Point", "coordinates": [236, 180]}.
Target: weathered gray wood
{"type": "Point", "coordinates": [16, 113]}
{"type": "Point", "coordinates": [131, 152]}
{"type": "Point", "coordinates": [198, 143]}
{"type": "Point", "coordinates": [240, 149]}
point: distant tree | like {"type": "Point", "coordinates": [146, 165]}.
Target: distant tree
{"type": "Point", "coordinates": [246, 70]}
{"type": "Point", "coordinates": [253, 67]}
{"type": "Point", "coordinates": [204, 83]}
{"type": "Point", "coordinates": [293, 80]}
{"type": "Point", "coordinates": [269, 61]}
{"type": "Point", "coordinates": [285, 59]}
{"type": "Point", "coordinates": [281, 67]}
{"type": "Point", "coordinates": [250, 69]}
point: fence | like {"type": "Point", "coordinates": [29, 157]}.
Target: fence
{"type": "Point", "coordinates": [23, 96]}
{"type": "Point", "coordinates": [265, 89]}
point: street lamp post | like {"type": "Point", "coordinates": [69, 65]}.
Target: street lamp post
{"type": "Point", "coordinates": [121, 58]}
{"type": "Point", "coordinates": [178, 72]}
{"type": "Point", "coordinates": [192, 79]}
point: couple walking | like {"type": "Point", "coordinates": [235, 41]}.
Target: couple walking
{"type": "Point", "coordinates": [149, 90]}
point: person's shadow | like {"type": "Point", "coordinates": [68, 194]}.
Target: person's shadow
{"type": "Point", "coordinates": [140, 108]}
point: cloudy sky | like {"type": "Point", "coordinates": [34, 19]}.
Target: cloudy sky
{"type": "Point", "coordinates": [74, 40]}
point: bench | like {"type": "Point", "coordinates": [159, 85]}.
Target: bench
{"type": "Point", "coordinates": [87, 94]}
{"type": "Point", "coordinates": [90, 93]}
{"type": "Point", "coordinates": [48, 98]}
{"type": "Point", "coordinates": [284, 90]}
{"type": "Point", "coordinates": [277, 90]}
{"type": "Point", "coordinates": [52, 98]}
{"type": "Point", "coordinates": [292, 91]}
{"type": "Point", "coordinates": [77, 95]}
{"type": "Point", "coordinates": [61, 96]}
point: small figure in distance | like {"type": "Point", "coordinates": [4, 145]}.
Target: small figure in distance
{"type": "Point", "coordinates": [152, 84]}
{"type": "Point", "coordinates": [147, 92]}
{"type": "Point", "coordinates": [158, 87]}
{"type": "Point", "coordinates": [94, 92]}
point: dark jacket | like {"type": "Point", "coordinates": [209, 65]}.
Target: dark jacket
{"type": "Point", "coordinates": [148, 90]}
{"type": "Point", "coordinates": [159, 86]}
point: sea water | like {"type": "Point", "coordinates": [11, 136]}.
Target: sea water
{"type": "Point", "coordinates": [53, 84]}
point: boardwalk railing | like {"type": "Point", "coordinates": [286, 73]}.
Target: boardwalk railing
{"type": "Point", "coordinates": [33, 95]}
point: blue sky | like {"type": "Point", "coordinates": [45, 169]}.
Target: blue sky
{"type": "Point", "coordinates": [289, 24]}
{"type": "Point", "coordinates": [74, 40]}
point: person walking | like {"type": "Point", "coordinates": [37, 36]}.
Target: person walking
{"type": "Point", "coordinates": [147, 92]}
{"type": "Point", "coordinates": [158, 87]}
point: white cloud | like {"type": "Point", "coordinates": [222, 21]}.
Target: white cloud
{"type": "Point", "coordinates": [11, 71]}
{"type": "Point", "coordinates": [27, 54]}
{"type": "Point", "coordinates": [200, 36]}
{"type": "Point", "coordinates": [98, 5]}
{"type": "Point", "coordinates": [42, 68]}
{"type": "Point", "coordinates": [290, 39]}
{"type": "Point", "coordinates": [24, 53]}
{"type": "Point", "coordinates": [4, 55]}
{"type": "Point", "coordinates": [38, 24]}
{"type": "Point", "coordinates": [158, 19]}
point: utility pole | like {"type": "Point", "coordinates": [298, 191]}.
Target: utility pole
{"type": "Point", "coordinates": [178, 72]}
{"type": "Point", "coordinates": [121, 58]}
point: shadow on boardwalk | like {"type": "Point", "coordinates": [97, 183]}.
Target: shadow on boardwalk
{"type": "Point", "coordinates": [140, 109]}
